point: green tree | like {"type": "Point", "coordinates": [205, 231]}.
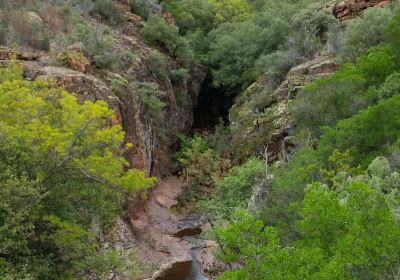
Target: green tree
{"type": "Point", "coordinates": [158, 33]}
{"type": "Point", "coordinates": [63, 182]}
{"type": "Point", "coordinates": [234, 190]}
{"type": "Point", "coordinates": [367, 134]}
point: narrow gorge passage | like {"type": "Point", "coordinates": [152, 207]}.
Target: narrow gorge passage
{"type": "Point", "coordinates": [164, 238]}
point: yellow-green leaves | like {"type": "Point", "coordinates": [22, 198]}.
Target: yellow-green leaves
{"type": "Point", "coordinates": [53, 130]}
{"type": "Point", "coordinates": [231, 10]}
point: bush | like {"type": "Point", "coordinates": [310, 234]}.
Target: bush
{"type": "Point", "coordinates": [234, 190]}
{"type": "Point", "coordinates": [57, 152]}
{"type": "Point", "coordinates": [158, 33]}
{"type": "Point", "coordinates": [108, 10]}
{"type": "Point", "coordinates": [144, 8]}
{"type": "Point", "coordinates": [179, 75]}
{"type": "Point", "coordinates": [157, 64]}
{"type": "Point", "coordinates": [200, 165]}
{"type": "Point", "coordinates": [391, 86]}
{"type": "Point", "coordinates": [330, 99]}
{"type": "Point", "coordinates": [97, 44]}
{"type": "Point", "coordinates": [150, 98]}
{"type": "Point", "coordinates": [367, 134]}
{"type": "Point", "coordinates": [365, 32]}
{"type": "Point", "coordinates": [192, 15]}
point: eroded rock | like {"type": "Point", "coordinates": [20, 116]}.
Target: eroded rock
{"type": "Point", "coordinates": [352, 8]}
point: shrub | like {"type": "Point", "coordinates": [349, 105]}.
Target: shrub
{"type": "Point", "coordinates": [234, 190]}
{"type": "Point", "coordinates": [376, 65]}
{"type": "Point", "coordinates": [108, 10]}
{"type": "Point", "coordinates": [157, 64]}
{"type": "Point", "coordinates": [56, 152]}
{"type": "Point", "coordinates": [367, 134]}
{"type": "Point", "coordinates": [144, 8]}
{"type": "Point", "coordinates": [200, 165]}
{"type": "Point", "coordinates": [391, 86]}
{"type": "Point", "coordinates": [28, 29]}
{"type": "Point", "coordinates": [150, 98]}
{"type": "Point", "coordinates": [179, 75]}
{"type": "Point", "coordinates": [365, 32]}
{"type": "Point", "coordinates": [97, 44]}
{"type": "Point", "coordinates": [330, 99]}
{"type": "Point", "coordinates": [158, 33]}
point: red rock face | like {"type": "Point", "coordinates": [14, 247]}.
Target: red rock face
{"type": "Point", "coordinates": [351, 8]}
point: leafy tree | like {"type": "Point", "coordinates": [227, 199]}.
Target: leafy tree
{"type": "Point", "coordinates": [63, 180]}
{"type": "Point", "coordinates": [390, 87]}
{"type": "Point", "coordinates": [231, 10]}
{"type": "Point", "coordinates": [367, 134]}
{"type": "Point", "coordinates": [234, 190]}
{"type": "Point", "coordinates": [376, 65]}
{"type": "Point", "coordinates": [200, 166]}
{"type": "Point", "coordinates": [287, 191]}
{"type": "Point", "coordinates": [158, 33]}
{"type": "Point", "coordinates": [351, 238]}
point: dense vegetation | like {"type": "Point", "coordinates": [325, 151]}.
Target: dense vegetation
{"type": "Point", "coordinates": [63, 182]}
{"type": "Point", "coordinates": [331, 210]}
{"type": "Point", "coordinates": [327, 209]}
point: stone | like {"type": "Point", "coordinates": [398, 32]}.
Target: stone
{"type": "Point", "coordinates": [349, 9]}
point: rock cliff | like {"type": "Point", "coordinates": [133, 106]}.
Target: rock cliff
{"type": "Point", "coordinates": [260, 117]}
{"type": "Point", "coordinates": [352, 8]}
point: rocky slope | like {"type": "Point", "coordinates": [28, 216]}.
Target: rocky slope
{"type": "Point", "coordinates": [269, 125]}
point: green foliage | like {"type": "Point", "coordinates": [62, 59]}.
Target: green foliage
{"type": "Point", "coordinates": [355, 237]}
{"type": "Point", "coordinates": [108, 10]}
{"type": "Point", "coordinates": [365, 32]}
{"type": "Point", "coordinates": [272, 40]}
{"type": "Point", "coordinates": [143, 8]}
{"type": "Point", "coordinates": [340, 163]}
{"type": "Point", "coordinates": [97, 44]}
{"type": "Point", "coordinates": [63, 181]}
{"type": "Point", "coordinates": [391, 86]}
{"type": "Point", "coordinates": [231, 10]}
{"type": "Point", "coordinates": [12, 72]}
{"type": "Point", "coordinates": [179, 75]}
{"type": "Point", "coordinates": [192, 15]}
{"type": "Point", "coordinates": [287, 191]}
{"type": "Point", "coordinates": [200, 166]}
{"type": "Point", "coordinates": [234, 190]}
{"type": "Point", "coordinates": [157, 63]}
{"type": "Point", "coordinates": [150, 98]}
{"type": "Point", "coordinates": [330, 99]}
{"type": "Point", "coordinates": [327, 100]}
{"type": "Point", "coordinates": [367, 134]}
{"type": "Point", "coordinates": [392, 35]}
{"type": "Point", "coordinates": [376, 65]}
{"type": "Point", "coordinates": [158, 33]}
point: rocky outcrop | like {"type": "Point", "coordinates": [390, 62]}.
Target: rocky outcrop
{"type": "Point", "coordinates": [352, 8]}
{"type": "Point", "coordinates": [163, 246]}
{"type": "Point", "coordinates": [260, 117]}
{"type": "Point", "coordinates": [150, 151]}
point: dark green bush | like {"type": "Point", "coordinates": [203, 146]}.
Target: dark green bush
{"type": "Point", "coordinates": [158, 33]}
